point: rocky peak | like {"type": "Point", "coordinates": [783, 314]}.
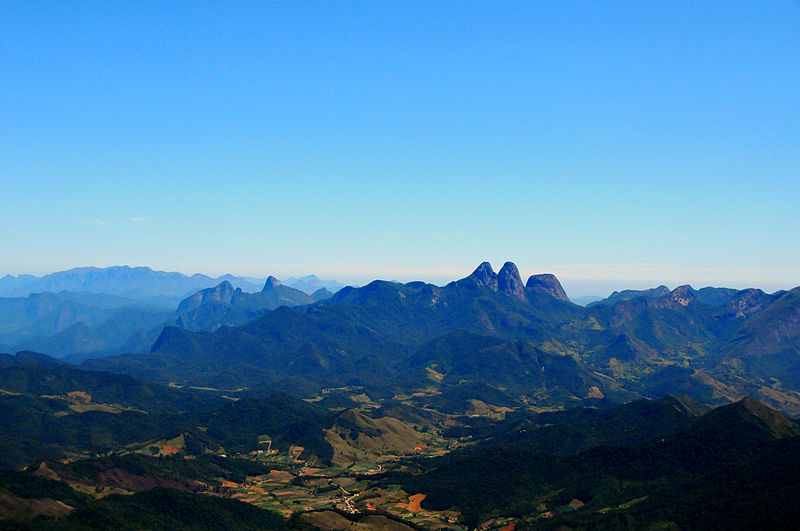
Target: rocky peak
{"type": "Point", "coordinates": [484, 275]}
{"type": "Point", "coordinates": [271, 283]}
{"type": "Point", "coordinates": [747, 302]}
{"type": "Point", "coordinates": [223, 292]}
{"type": "Point", "coordinates": [509, 281]}
{"type": "Point", "coordinates": [683, 295]}
{"type": "Point", "coordinates": [549, 284]}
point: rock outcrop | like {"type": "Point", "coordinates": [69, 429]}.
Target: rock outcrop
{"type": "Point", "coordinates": [509, 281]}
{"type": "Point", "coordinates": [547, 283]}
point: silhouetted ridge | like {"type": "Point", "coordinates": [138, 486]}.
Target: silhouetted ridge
{"type": "Point", "coordinates": [321, 293]}
{"type": "Point", "coordinates": [125, 281]}
{"type": "Point", "coordinates": [686, 405]}
{"type": "Point", "coordinates": [628, 294]}
{"type": "Point", "coordinates": [748, 417]}
{"type": "Point", "coordinates": [175, 338]}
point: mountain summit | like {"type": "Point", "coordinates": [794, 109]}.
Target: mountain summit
{"type": "Point", "coordinates": [683, 295]}
{"type": "Point", "coordinates": [222, 293]}
{"type": "Point", "coordinates": [484, 275]}
{"type": "Point", "coordinates": [271, 283]}
{"type": "Point", "coordinates": [549, 284]}
{"type": "Point", "coordinates": [211, 308]}
{"type": "Point", "coordinates": [509, 281]}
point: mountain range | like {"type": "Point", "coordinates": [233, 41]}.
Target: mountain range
{"type": "Point", "coordinates": [140, 283]}
{"type": "Point", "coordinates": [224, 305]}
{"type": "Point", "coordinates": [312, 283]}
{"type": "Point", "coordinates": [489, 402]}
{"type": "Point", "coordinates": [66, 323]}
{"type": "Point", "coordinates": [123, 309]}
{"type": "Point", "coordinates": [502, 339]}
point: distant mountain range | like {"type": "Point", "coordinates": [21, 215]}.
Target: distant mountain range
{"type": "Point", "coordinates": [88, 312]}
{"type": "Point", "coordinates": [130, 282]}
{"type": "Point", "coordinates": [69, 322]}
{"type": "Point", "coordinates": [708, 295]}
{"type": "Point", "coordinates": [312, 283]}
{"type": "Point", "coordinates": [224, 305]}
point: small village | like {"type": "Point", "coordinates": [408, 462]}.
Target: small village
{"type": "Point", "coordinates": [293, 486]}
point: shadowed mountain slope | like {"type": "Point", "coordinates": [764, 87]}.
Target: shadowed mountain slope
{"type": "Point", "coordinates": [692, 472]}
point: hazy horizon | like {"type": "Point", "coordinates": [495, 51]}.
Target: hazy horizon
{"type": "Point", "coordinates": [575, 286]}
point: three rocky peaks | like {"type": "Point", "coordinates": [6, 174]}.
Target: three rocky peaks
{"type": "Point", "coordinates": [509, 281]}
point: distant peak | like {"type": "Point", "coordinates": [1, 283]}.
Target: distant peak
{"type": "Point", "coordinates": [483, 272]}
{"type": "Point", "coordinates": [548, 283]}
{"type": "Point", "coordinates": [683, 295]}
{"type": "Point", "coordinates": [271, 283]}
{"type": "Point", "coordinates": [222, 292]}
{"type": "Point", "coordinates": [320, 294]}
{"type": "Point", "coordinates": [747, 302]}
{"type": "Point", "coordinates": [509, 281]}
{"type": "Point", "coordinates": [509, 268]}
{"type": "Point", "coordinates": [224, 286]}
{"type": "Point", "coordinates": [484, 275]}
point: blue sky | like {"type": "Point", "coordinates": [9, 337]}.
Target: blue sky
{"type": "Point", "coordinates": [619, 144]}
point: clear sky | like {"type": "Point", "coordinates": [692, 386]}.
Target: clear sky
{"type": "Point", "coordinates": [616, 144]}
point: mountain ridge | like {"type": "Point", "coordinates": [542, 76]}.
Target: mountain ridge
{"type": "Point", "coordinates": [133, 282]}
{"type": "Point", "coordinates": [678, 340]}
{"type": "Point", "coordinates": [224, 305]}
